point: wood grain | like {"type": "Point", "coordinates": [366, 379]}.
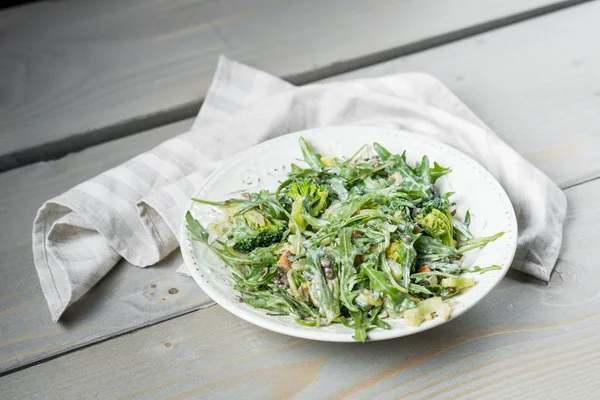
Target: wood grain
{"type": "Point", "coordinates": [76, 73]}
{"type": "Point", "coordinates": [525, 340]}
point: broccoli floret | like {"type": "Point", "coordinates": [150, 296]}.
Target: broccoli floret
{"type": "Point", "coordinates": [438, 225]}
{"type": "Point", "coordinates": [244, 245]}
{"type": "Point", "coordinates": [436, 220]}
{"type": "Point", "coordinates": [267, 237]}
{"type": "Point", "coordinates": [253, 229]}
{"type": "Point", "coordinates": [309, 195]}
{"type": "Point", "coordinates": [438, 203]}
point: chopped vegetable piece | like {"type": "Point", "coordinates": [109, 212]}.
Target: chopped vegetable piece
{"type": "Point", "coordinates": [460, 282]}
{"type": "Point", "coordinates": [284, 261]}
{"type": "Point", "coordinates": [429, 306]}
{"type": "Point", "coordinates": [413, 317]}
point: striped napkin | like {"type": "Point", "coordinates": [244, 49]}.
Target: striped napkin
{"type": "Point", "coordinates": [133, 211]}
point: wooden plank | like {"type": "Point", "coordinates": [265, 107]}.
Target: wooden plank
{"type": "Point", "coordinates": [92, 71]}
{"type": "Point", "coordinates": [525, 340]}
{"type": "Point", "coordinates": [127, 298]}
{"type": "Point", "coordinates": [30, 186]}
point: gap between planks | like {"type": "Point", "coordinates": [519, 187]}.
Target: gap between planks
{"type": "Point", "coordinates": [124, 332]}
{"type": "Point", "coordinates": [572, 185]}
{"type": "Point", "coordinates": [60, 148]}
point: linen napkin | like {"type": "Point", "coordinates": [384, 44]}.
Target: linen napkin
{"type": "Point", "coordinates": [133, 211]}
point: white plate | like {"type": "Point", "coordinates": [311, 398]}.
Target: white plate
{"type": "Point", "coordinates": [265, 166]}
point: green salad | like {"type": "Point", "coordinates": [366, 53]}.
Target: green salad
{"type": "Point", "coordinates": [354, 241]}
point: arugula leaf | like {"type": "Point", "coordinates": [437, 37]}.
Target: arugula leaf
{"type": "Point", "coordinates": [196, 229]}
{"type": "Point", "coordinates": [321, 294]}
{"type": "Point", "coordinates": [437, 172]}
{"type": "Point", "coordinates": [433, 249]}
{"type": "Point", "coordinates": [478, 242]}
{"type": "Point", "coordinates": [311, 156]}
{"type": "Point", "coordinates": [475, 268]}
{"type": "Point", "coordinates": [462, 228]}
{"type": "Point", "coordinates": [381, 151]}
{"type": "Point", "coordinates": [345, 254]}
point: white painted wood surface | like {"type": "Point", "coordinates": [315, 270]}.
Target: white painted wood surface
{"type": "Point", "coordinates": [75, 73]}
{"type": "Point", "coordinates": [25, 327]}
{"type": "Point", "coordinates": [525, 340]}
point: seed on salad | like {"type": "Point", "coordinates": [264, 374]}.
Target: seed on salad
{"type": "Point", "coordinates": [325, 262]}
{"type": "Point", "coordinates": [329, 274]}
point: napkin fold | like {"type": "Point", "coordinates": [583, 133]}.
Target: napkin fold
{"type": "Point", "coordinates": [133, 211]}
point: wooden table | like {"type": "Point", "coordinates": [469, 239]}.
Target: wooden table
{"type": "Point", "coordinates": [85, 85]}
